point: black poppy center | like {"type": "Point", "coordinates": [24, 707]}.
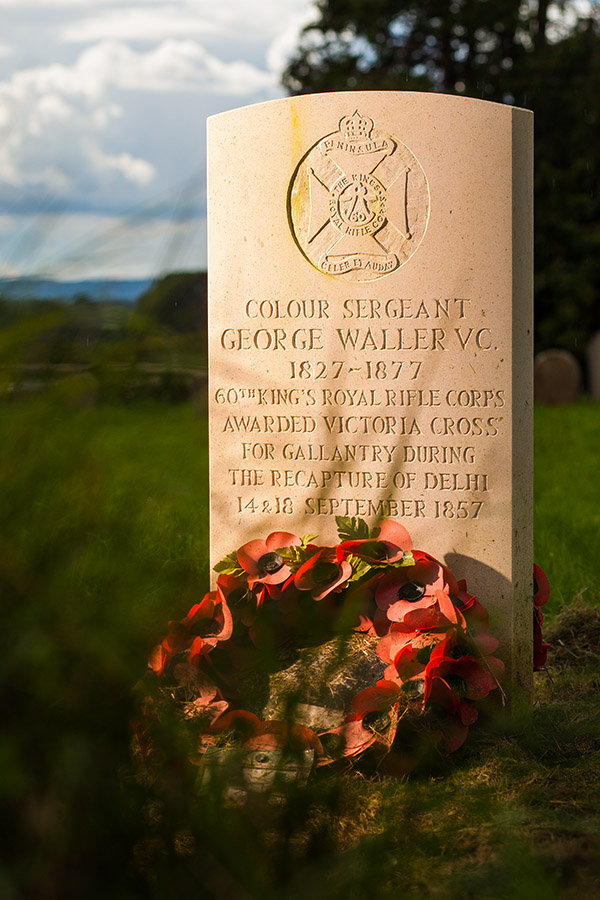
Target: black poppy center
{"type": "Point", "coordinates": [378, 550]}
{"type": "Point", "coordinates": [535, 585]}
{"type": "Point", "coordinates": [332, 743]}
{"type": "Point", "coordinates": [269, 563]}
{"type": "Point", "coordinates": [325, 572]}
{"type": "Point", "coordinates": [457, 684]}
{"type": "Point", "coordinates": [377, 720]}
{"type": "Point", "coordinates": [411, 592]}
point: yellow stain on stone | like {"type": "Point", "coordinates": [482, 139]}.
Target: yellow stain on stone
{"type": "Point", "coordinates": [299, 200]}
{"type": "Point", "coordinates": [298, 138]}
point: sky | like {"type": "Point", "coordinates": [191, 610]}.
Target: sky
{"type": "Point", "coordinates": [103, 107]}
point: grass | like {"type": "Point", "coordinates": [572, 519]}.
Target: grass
{"type": "Point", "coordinates": [103, 537]}
{"type": "Point", "coordinates": [567, 500]}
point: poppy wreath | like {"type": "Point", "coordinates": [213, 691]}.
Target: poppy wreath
{"type": "Point", "coordinates": [375, 596]}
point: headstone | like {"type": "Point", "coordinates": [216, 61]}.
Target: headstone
{"type": "Point", "coordinates": [370, 319]}
{"type": "Point", "coordinates": [557, 377]}
{"type": "Point", "coordinates": [593, 361]}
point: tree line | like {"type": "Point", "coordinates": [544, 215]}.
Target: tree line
{"type": "Point", "coordinates": [541, 55]}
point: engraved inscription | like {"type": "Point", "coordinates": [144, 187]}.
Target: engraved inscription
{"type": "Point", "coordinates": [358, 431]}
{"type": "Point", "coordinates": [358, 202]}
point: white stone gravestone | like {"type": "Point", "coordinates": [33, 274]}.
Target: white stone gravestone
{"type": "Point", "coordinates": [370, 319]}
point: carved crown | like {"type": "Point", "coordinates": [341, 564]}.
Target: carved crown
{"type": "Point", "coordinates": [356, 127]}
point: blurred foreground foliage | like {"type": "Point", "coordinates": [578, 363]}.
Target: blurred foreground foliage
{"type": "Point", "coordinates": [104, 531]}
{"type": "Point", "coordinates": [177, 301]}
{"type": "Point", "coordinates": [105, 350]}
{"type": "Point", "coordinates": [103, 538]}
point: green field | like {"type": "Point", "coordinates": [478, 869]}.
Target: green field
{"type": "Point", "coordinates": [567, 500]}
{"type": "Point", "coordinates": [104, 535]}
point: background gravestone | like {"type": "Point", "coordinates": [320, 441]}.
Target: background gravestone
{"type": "Point", "coordinates": [370, 319]}
{"type": "Point", "coordinates": [593, 361]}
{"type": "Point", "coordinates": [557, 377]}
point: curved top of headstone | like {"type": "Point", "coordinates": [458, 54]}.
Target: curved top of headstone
{"type": "Point", "coordinates": [557, 377]}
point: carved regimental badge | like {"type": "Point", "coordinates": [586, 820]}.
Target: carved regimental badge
{"type": "Point", "coordinates": [358, 202]}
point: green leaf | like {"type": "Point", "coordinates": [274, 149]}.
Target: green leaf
{"type": "Point", "coordinates": [407, 560]}
{"type": "Point", "coordinates": [295, 556]}
{"type": "Point", "coordinates": [308, 539]}
{"type": "Point", "coordinates": [352, 529]}
{"type": "Point", "coordinates": [359, 567]}
{"type": "Point", "coordinates": [229, 565]}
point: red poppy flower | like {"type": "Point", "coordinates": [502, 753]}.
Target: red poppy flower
{"type": "Point", "coordinates": [208, 703]}
{"type": "Point", "coordinates": [439, 693]}
{"type": "Point", "coordinates": [411, 656]}
{"type": "Point", "coordinates": [460, 713]}
{"type": "Point", "coordinates": [466, 675]}
{"type": "Point", "coordinates": [240, 720]}
{"type": "Point", "coordinates": [398, 637]}
{"type": "Point", "coordinates": [212, 710]}
{"type": "Point", "coordinates": [212, 616]}
{"type": "Point", "coordinates": [359, 600]}
{"type": "Point", "coordinates": [442, 613]}
{"type": "Point", "coordinates": [452, 679]}
{"type": "Point", "coordinates": [477, 677]}
{"type": "Point", "coordinates": [158, 659]}
{"type": "Point", "coordinates": [484, 643]}
{"type": "Point", "coordinates": [261, 560]}
{"type": "Point", "coordinates": [540, 648]}
{"type": "Point", "coordinates": [347, 740]}
{"type": "Point", "coordinates": [177, 639]}
{"type": "Point", "coordinates": [355, 736]}
{"type": "Point", "coordinates": [244, 601]}
{"type": "Point", "coordinates": [541, 595]}
{"type": "Point", "coordinates": [408, 588]}
{"type": "Point", "coordinates": [325, 572]}
{"type": "Point", "coordinates": [205, 610]}
{"type": "Point", "coordinates": [475, 614]}
{"type": "Point", "coordinates": [389, 546]}
{"type": "Point", "coordinates": [541, 586]}
{"type": "Point", "coordinates": [202, 646]}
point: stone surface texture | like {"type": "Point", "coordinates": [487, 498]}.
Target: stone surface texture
{"type": "Point", "coordinates": [593, 361]}
{"type": "Point", "coordinates": [370, 316]}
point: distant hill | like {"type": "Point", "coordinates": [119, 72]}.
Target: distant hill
{"type": "Point", "coordinates": [116, 291]}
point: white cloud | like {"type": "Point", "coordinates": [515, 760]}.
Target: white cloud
{"type": "Point", "coordinates": [55, 120]}
{"type": "Point", "coordinates": [51, 122]}
{"type": "Point", "coordinates": [283, 45]}
{"type": "Point", "coordinates": [60, 4]}
{"type": "Point", "coordinates": [112, 113]}
{"type": "Point", "coordinates": [171, 66]}
{"type": "Point", "coordinates": [138, 24]}
{"type": "Point", "coordinates": [251, 26]}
